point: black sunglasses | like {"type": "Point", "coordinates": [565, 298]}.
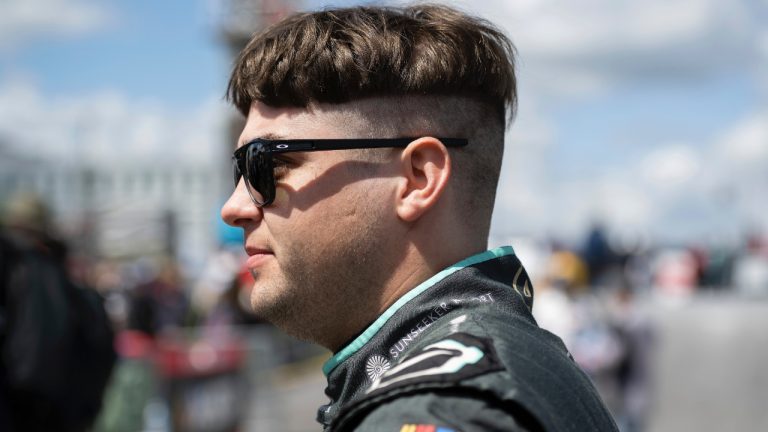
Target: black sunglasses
{"type": "Point", "coordinates": [254, 159]}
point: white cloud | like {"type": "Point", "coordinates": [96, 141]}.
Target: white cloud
{"type": "Point", "coordinates": [746, 144]}
{"type": "Point", "coordinates": [671, 166]}
{"type": "Point", "coordinates": [22, 20]}
{"type": "Point", "coordinates": [599, 27]}
{"type": "Point", "coordinates": [740, 160]}
{"type": "Point", "coordinates": [109, 127]}
{"type": "Point", "coordinates": [677, 191]}
{"type": "Point", "coordinates": [580, 48]}
{"type": "Point", "coordinates": [625, 204]}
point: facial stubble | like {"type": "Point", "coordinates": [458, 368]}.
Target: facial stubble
{"type": "Point", "coordinates": [324, 285]}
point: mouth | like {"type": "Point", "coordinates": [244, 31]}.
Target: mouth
{"type": "Point", "coordinates": [257, 256]}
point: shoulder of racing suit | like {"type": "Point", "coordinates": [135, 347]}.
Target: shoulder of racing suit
{"type": "Point", "coordinates": [487, 369]}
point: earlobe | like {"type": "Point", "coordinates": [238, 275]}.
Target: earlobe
{"type": "Point", "coordinates": [426, 168]}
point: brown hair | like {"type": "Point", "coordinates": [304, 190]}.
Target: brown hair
{"type": "Point", "coordinates": [342, 55]}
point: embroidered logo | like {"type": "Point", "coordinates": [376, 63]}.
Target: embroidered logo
{"type": "Point", "coordinates": [376, 366]}
{"type": "Point", "coordinates": [450, 360]}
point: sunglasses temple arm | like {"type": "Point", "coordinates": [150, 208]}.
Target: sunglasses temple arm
{"type": "Point", "coordinates": [375, 143]}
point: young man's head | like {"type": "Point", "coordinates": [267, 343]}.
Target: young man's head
{"type": "Point", "coordinates": [347, 232]}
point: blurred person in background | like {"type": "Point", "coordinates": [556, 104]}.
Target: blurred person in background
{"type": "Point", "coordinates": [634, 374]}
{"type": "Point", "coordinates": [603, 263]}
{"type": "Point", "coordinates": [571, 308]}
{"type": "Point", "coordinates": [56, 351]}
{"type": "Point", "coordinates": [565, 279]}
{"type": "Point", "coordinates": [160, 304]}
{"type": "Point", "coordinates": [378, 252]}
{"type": "Point", "coordinates": [750, 275]}
{"type": "Point", "coordinates": [608, 332]}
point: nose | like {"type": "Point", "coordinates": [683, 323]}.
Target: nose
{"type": "Point", "coordinates": [240, 210]}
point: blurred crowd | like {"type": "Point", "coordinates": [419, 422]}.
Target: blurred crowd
{"type": "Point", "coordinates": [175, 342]}
{"type": "Point", "coordinates": [598, 297]}
{"type": "Point", "coordinates": [122, 344]}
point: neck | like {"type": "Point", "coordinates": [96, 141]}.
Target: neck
{"type": "Point", "coordinates": [415, 268]}
{"type": "Point", "coordinates": [400, 267]}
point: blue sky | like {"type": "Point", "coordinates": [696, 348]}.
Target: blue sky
{"type": "Point", "coordinates": [638, 113]}
{"type": "Point", "coordinates": [677, 112]}
{"type": "Point", "coordinates": [168, 51]}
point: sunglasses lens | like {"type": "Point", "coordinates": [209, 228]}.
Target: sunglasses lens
{"type": "Point", "coordinates": [259, 174]}
{"type": "Point", "coordinates": [236, 171]}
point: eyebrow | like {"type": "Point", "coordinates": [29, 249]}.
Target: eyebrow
{"type": "Point", "coordinates": [266, 136]}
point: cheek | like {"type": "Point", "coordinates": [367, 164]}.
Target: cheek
{"type": "Point", "coordinates": [281, 195]}
{"type": "Point", "coordinates": [321, 213]}
{"type": "Point", "coordinates": [322, 225]}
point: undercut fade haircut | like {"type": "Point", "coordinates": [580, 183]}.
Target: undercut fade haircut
{"type": "Point", "coordinates": [341, 55]}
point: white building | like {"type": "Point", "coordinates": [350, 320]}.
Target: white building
{"type": "Point", "coordinates": [124, 209]}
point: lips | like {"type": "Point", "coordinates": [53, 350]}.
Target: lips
{"type": "Point", "coordinates": [257, 256]}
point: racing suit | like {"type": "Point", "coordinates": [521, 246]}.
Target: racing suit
{"type": "Point", "coordinates": [461, 352]}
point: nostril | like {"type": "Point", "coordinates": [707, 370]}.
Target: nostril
{"type": "Point", "coordinates": [239, 210]}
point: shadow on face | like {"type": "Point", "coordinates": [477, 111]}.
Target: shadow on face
{"type": "Point", "coordinates": [328, 184]}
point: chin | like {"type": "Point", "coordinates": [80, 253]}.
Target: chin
{"type": "Point", "coordinates": [273, 305]}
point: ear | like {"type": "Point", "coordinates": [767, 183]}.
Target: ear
{"type": "Point", "coordinates": [426, 167]}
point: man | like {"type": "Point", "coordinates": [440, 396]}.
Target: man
{"type": "Point", "coordinates": [365, 180]}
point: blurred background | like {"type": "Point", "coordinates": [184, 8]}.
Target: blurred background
{"type": "Point", "coordinates": [634, 188]}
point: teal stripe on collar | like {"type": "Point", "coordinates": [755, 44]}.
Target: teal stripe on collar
{"type": "Point", "coordinates": [374, 328]}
